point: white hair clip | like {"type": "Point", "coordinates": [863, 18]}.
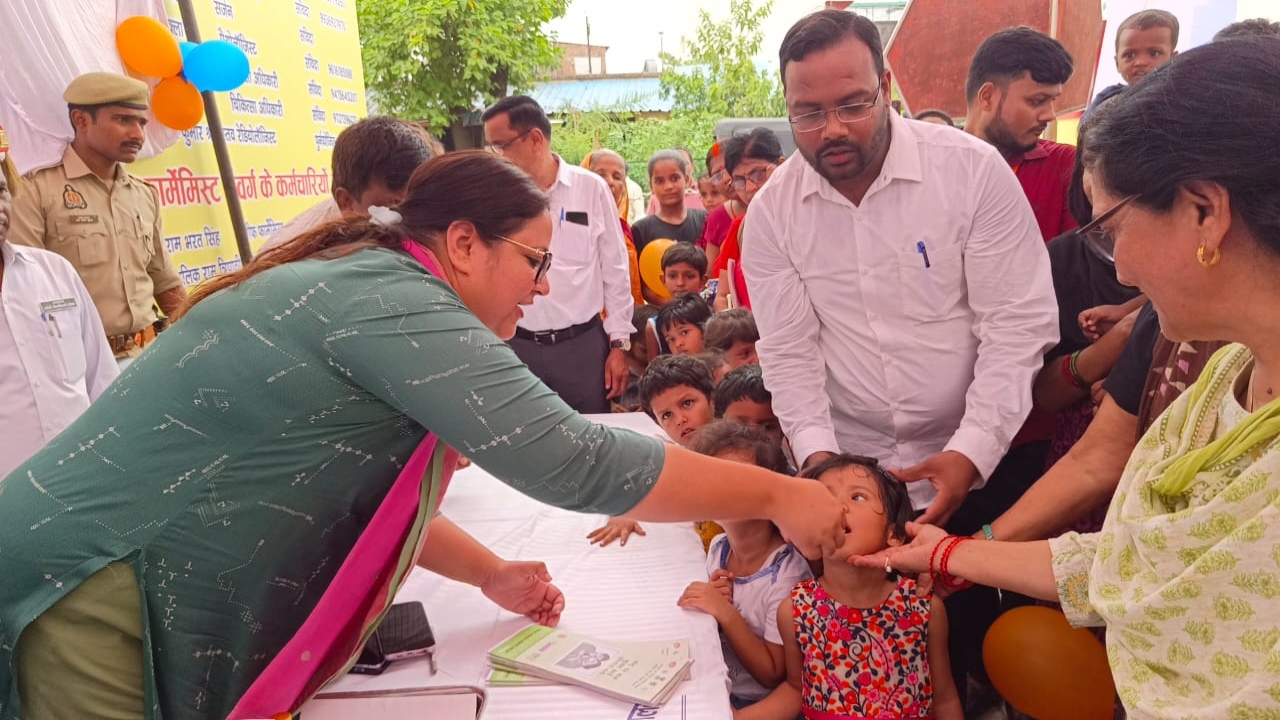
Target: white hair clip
{"type": "Point", "coordinates": [384, 215]}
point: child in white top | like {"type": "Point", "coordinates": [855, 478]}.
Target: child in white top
{"type": "Point", "coordinates": [751, 569]}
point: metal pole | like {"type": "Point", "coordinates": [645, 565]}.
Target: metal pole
{"type": "Point", "coordinates": [220, 146]}
{"type": "Point", "coordinates": [589, 70]}
{"type": "Point", "coordinates": [1052, 131]}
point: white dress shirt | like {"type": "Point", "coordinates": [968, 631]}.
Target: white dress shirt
{"type": "Point", "coordinates": [54, 356]}
{"type": "Point", "coordinates": [325, 211]}
{"type": "Point", "coordinates": [869, 348]}
{"type": "Point", "coordinates": [589, 268]}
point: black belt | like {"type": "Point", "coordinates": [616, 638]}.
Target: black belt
{"type": "Point", "coordinates": [553, 337]}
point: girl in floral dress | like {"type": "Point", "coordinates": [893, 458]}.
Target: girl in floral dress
{"type": "Point", "coordinates": [862, 642]}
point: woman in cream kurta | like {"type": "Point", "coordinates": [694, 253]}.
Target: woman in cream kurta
{"type": "Point", "coordinates": [1185, 573]}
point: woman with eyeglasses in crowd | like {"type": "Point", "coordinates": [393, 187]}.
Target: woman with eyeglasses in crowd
{"type": "Point", "coordinates": [721, 214]}
{"type": "Point", "coordinates": [749, 160]}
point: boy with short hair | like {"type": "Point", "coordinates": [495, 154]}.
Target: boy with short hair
{"type": "Point", "coordinates": [684, 269]}
{"type": "Point", "coordinates": [676, 391]}
{"type": "Point", "coordinates": [1144, 41]}
{"type": "Point", "coordinates": [734, 333]}
{"type": "Point", "coordinates": [742, 396]}
{"type": "Point", "coordinates": [678, 328]}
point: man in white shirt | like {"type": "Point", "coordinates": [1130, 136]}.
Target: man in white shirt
{"type": "Point", "coordinates": [372, 161]}
{"type": "Point", "coordinates": [54, 355]}
{"type": "Point", "coordinates": [561, 337]}
{"type": "Point", "coordinates": [900, 284]}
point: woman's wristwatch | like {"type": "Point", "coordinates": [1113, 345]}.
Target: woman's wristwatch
{"type": "Point", "coordinates": [623, 345]}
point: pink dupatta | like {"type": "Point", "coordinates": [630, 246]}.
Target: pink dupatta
{"type": "Point", "coordinates": [365, 584]}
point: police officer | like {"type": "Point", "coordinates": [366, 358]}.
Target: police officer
{"type": "Point", "coordinates": [104, 220]}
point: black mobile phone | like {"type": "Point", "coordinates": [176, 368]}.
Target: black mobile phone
{"type": "Point", "coordinates": [405, 632]}
{"type": "Point", "coordinates": [373, 660]}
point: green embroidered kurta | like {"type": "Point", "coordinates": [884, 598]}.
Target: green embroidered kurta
{"type": "Point", "coordinates": [1185, 572]}
{"type": "Point", "coordinates": [235, 463]}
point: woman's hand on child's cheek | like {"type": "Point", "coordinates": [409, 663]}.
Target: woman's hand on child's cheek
{"type": "Point", "coordinates": [702, 596]}
{"type": "Point", "coordinates": [912, 558]}
{"type": "Point", "coordinates": [722, 580]}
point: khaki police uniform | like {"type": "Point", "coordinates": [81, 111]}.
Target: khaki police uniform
{"type": "Point", "coordinates": [111, 234]}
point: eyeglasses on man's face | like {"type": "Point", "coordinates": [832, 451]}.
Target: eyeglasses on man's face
{"type": "Point", "coordinates": [816, 120]}
{"type": "Point", "coordinates": [501, 147]}
{"type": "Point", "coordinates": [539, 259]}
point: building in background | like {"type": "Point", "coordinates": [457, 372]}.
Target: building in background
{"type": "Point", "coordinates": [884, 13]}
{"type": "Point", "coordinates": [582, 82]}
{"type": "Point", "coordinates": [577, 59]}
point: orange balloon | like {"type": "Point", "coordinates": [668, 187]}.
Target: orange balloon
{"type": "Point", "coordinates": [651, 265]}
{"type": "Point", "coordinates": [177, 104]}
{"type": "Point", "coordinates": [1048, 669]}
{"type": "Point", "coordinates": [148, 48]}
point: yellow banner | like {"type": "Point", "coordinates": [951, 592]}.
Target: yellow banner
{"type": "Point", "coordinates": [305, 85]}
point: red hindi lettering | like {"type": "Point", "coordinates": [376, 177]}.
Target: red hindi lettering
{"type": "Point", "coordinates": [246, 186]}
{"type": "Point", "coordinates": [264, 184]}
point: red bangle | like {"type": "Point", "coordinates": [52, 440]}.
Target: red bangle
{"type": "Point", "coordinates": [1066, 371]}
{"type": "Point", "coordinates": [934, 556]}
{"type": "Point", "coordinates": [947, 577]}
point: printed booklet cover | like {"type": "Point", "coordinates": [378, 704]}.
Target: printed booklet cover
{"type": "Point", "coordinates": [642, 672]}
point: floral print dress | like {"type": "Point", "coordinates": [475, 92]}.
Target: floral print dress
{"type": "Point", "coordinates": [864, 662]}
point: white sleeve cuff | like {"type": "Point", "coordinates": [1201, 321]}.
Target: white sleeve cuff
{"type": "Point", "coordinates": [808, 441]}
{"type": "Point", "coordinates": [981, 449]}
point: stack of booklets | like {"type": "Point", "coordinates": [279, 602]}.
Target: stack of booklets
{"type": "Point", "coordinates": [640, 672]}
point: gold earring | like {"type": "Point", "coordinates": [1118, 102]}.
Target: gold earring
{"type": "Point", "coordinates": [1217, 255]}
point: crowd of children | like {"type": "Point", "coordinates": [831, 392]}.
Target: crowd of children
{"type": "Point", "coordinates": [824, 639]}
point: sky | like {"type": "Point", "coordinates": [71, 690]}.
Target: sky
{"type": "Point", "coordinates": [630, 29]}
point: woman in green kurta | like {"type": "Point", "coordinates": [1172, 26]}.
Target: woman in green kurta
{"type": "Point", "coordinates": [158, 554]}
{"type": "Point", "coordinates": [1185, 573]}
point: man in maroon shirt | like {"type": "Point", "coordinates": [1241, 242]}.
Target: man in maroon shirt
{"type": "Point", "coordinates": [1015, 79]}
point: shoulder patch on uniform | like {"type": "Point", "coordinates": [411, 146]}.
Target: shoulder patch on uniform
{"type": "Point", "coordinates": [72, 199]}
{"type": "Point", "coordinates": [35, 172]}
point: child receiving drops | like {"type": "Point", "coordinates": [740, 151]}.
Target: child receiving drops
{"type": "Point", "coordinates": [862, 642]}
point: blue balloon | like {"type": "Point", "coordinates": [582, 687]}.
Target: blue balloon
{"type": "Point", "coordinates": [185, 47]}
{"type": "Point", "coordinates": [215, 65]}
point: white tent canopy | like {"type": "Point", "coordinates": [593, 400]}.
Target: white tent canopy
{"type": "Point", "coordinates": [49, 44]}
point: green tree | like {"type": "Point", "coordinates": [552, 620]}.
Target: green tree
{"type": "Point", "coordinates": [634, 138]}
{"type": "Point", "coordinates": [720, 77]}
{"type": "Point", "coordinates": [434, 60]}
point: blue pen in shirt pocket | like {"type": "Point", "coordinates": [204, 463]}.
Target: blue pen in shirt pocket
{"type": "Point", "coordinates": [924, 253]}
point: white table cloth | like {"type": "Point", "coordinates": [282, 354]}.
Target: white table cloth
{"type": "Point", "coordinates": [615, 593]}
